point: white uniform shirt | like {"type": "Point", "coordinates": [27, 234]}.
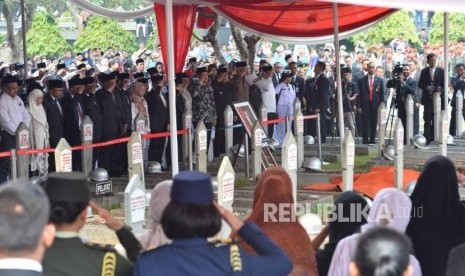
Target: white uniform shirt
{"type": "Point", "coordinates": [12, 113]}
{"type": "Point", "coordinates": [268, 94]}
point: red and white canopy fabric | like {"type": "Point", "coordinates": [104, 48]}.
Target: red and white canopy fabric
{"type": "Point", "coordinates": [305, 21]}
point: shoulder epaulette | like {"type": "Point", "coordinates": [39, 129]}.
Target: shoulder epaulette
{"type": "Point", "coordinates": [99, 246]}
{"type": "Point", "coordinates": [109, 264]}
{"type": "Point", "coordinates": [221, 242]}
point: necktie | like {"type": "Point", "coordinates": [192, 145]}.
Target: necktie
{"type": "Point", "coordinates": [163, 99]}
{"type": "Point", "coordinates": [431, 72]}
{"type": "Point", "coordinates": [371, 88]}
{"type": "Point", "coordinates": [79, 111]}
{"type": "Point", "coordinates": [58, 105]}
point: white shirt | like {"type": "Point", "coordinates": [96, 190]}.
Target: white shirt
{"type": "Point", "coordinates": [12, 113]}
{"type": "Point", "coordinates": [431, 72]}
{"type": "Point", "coordinates": [268, 94]}
{"type": "Point", "coordinates": [20, 263]}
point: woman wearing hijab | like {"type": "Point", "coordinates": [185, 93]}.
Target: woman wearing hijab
{"type": "Point", "coordinates": [159, 199]}
{"type": "Point", "coordinates": [438, 215]}
{"type": "Point", "coordinates": [391, 208]}
{"type": "Point", "coordinates": [285, 94]}
{"type": "Point", "coordinates": [338, 229]}
{"type": "Point", "coordinates": [274, 187]}
{"type": "Point", "coordinates": [39, 130]}
{"type": "Point", "coordinates": [139, 105]}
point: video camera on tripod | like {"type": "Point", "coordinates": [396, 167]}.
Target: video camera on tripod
{"type": "Point", "coordinates": [394, 82]}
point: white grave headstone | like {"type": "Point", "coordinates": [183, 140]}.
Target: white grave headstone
{"type": "Point", "coordinates": [134, 204]}
{"type": "Point", "coordinates": [63, 156]}
{"type": "Point", "coordinates": [201, 147]}
{"type": "Point", "coordinates": [348, 157]}
{"type": "Point", "coordinates": [289, 160]}
{"type": "Point", "coordinates": [399, 154]}
{"type": "Point", "coordinates": [23, 141]}
{"type": "Point", "coordinates": [382, 120]}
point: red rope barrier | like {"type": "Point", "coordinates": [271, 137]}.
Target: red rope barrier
{"type": "Point", "coordinates": [275, 121]}
{"type": "Point", "coordinates": [5, 154]}
{"type": "Point", "coordinates": [309, 117]}
{"type": "Point", "coordinates": [96, 145]}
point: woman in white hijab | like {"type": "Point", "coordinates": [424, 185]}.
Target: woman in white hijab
{"type": "Point", "coordinates": [39, 131]}
{"type": "Point", "coordinates": [159, 199]}
{"type": "Point", "coordinates": [391, 208]}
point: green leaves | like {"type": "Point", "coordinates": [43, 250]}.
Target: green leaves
{"type": "Point", "coordinates": [103, 33]}
{"type": "Point", "coordinates": [456, 30]}
{"type": "Point", "coordinates": [44, 37]}
{"type": "Point", "coordinates": [388, 29]}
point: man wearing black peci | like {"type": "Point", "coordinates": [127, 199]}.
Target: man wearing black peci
{"type": "Point", "coordinates": [431, 81]}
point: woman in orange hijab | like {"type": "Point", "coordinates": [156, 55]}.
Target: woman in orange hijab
{"type": "Point", "coordinates": [274, 187]}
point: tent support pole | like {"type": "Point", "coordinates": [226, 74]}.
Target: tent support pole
{"type": "Point", "coordinates": [338, 75]}
{"type": "Point", "coordinates": [171, 86]}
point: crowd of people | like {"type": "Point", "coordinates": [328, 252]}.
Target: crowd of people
{"type": "Point", "coordinates": [112, 87]}
{"type": "Point", "coordinates": [396, 234]}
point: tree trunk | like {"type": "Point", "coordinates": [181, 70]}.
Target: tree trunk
{"type": "Point", "coordinates": [76, 16]}
{"type": "Point", "coordinates": [211, 37]}
{"type": "Point", "coordinates": [241, 46]}
{"type": "Point", "coordinates": [10, 32]}
{"type": "Point", "coordinates": [251, 41]}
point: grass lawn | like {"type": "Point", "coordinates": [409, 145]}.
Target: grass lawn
{"type": "Point", "coordinates": [360, 164]}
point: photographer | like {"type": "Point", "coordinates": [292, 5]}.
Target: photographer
{"type": "Point", "coordinates": [403, 85]}
{"type": "Point", "coordinates": [458, 83]}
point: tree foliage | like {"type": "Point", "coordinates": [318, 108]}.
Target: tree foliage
{"type": "Point", "coordinates": [44, 37]}
{"type": "Point", "coordinates": [456, 29]}
{"type": "Point", "coordinates": [103, 32]}
{"type": "Point", "coordinates": [388, 29]}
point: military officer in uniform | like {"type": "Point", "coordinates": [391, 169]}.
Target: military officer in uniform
{"type": "Point", "coordinates": [189, 219]}
{"type": "Point", "coordinates": [69, 197]}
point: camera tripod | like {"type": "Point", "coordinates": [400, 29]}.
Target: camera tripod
{"type": "Point", "coordinates": [390, 117]}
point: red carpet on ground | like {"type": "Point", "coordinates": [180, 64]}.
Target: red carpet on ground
{"type": "Point", "coordinates": [367, 183]}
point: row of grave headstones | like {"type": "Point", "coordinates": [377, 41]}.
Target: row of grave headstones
{"type": "Point", "coordinates": [441, 119]}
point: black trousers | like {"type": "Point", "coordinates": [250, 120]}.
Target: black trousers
{"type": "Point", "coordinates": [369, 124]}
{"type": "Point", "coordinates": [156, 147]}
{"type": "Point", "coordinates": [7, 143]}
{"type": "Point", "coordinates": [416, 120]}
{"type": "Point", "coordinates": [109, 155]}
{"type": "Point", "coordinates": [402, 115]}
{"type": "Point", "coordinates": [453, 122]}
{"type": "Point", "coordinates": [219, 142]}
{"type": "Point", "coordinates": [428, 117]}
{"type": "Point", "coordinates": [271, 116]}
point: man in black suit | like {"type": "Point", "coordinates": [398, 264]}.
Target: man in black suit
{"type": "Point", "coordinates": [73, 115]}
{"type": "Point", "coordinates": [404, 85]}
{"type": "Point", "coordinates": [157, 105]}
{"type": "Point", "coordinates": [278, 69]}
{"type": "Point", "coordinates": [296, 81]}
{"type": "Point", "coordinates": [431, 81]}
{"type": "Point", "coordinates": [25, 234]}
{"type": "Point", "coordinates": [415, 75]}
{"type": "Point", "coordinates": [92, 110]}
{"type": "Point", "coordinates": [316, 95]}
{"type": "Point", "coordinates": [222, 90]}
{"type": "Point", "coordinates": [112, 123]}
{"type": "Point", "coordinates": [371, 94]}
{"type": "Point", "coordinates": [458, 83]}
{"type": "Point", "coordinates": [54, 111]}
